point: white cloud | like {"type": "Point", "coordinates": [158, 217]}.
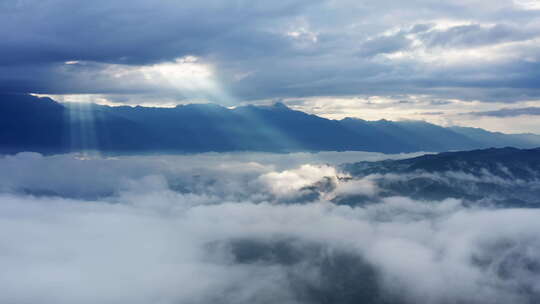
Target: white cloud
{"type": "Point", "coordinates": [196, 229]}
{"type": "Point", "coordinates": [356, 187]}
{"type": "Point", "coordinates": [289, 182]}
{"type": "Point", "coordinates": [528, 4]}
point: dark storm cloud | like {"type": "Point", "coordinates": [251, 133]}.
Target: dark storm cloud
{"type": "Point", "coordinates": [134, 32]}
{"type": "Point", "coordinates": [263, 49]}
{"type": "Point", "coordinates": [509, 112]}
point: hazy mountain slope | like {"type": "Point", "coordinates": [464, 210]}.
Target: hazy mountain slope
{"type": "Point", "coordinates": [373, 135]}
{"type": "Point", "coordinates": [426, 135]}
{"type": "Point", "coordinates": [497, 139]}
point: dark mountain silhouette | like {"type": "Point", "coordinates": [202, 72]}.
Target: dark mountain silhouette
{"type": "Point", "coordinates": [29, 123]}
{"type": "Point", "coordinates": [505, 162]}
{"type": "Point", "coordinates": [507, 177]}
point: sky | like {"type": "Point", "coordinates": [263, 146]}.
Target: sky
{"type": "Point", "coordinates": [462, 62]}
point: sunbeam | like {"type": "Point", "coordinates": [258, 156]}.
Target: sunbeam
{"type": "Point", "coordinates": [83, 137]}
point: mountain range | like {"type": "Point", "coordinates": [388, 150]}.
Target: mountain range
{"type": "Point", "coordinates": [30, 123]}
{"type": "Point", "coordinates": [503, 177]}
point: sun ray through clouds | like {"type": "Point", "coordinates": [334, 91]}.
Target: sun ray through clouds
{"type": "Point", "coordinates": [83, 136]}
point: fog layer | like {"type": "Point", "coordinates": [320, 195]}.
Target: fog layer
{"type": "Point", "coordinates": [248, 228]}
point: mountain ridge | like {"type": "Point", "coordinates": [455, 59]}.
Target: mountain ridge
{"type": "Point", "coordinates": [503, 177]}
{"type": "Point", "coordinates": [29, 123]}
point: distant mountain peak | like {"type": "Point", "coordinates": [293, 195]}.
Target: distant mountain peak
{"type": "Point", "coordinates": [277, 106]}
{"type": "Point", "coordinates": [199, 106]}
{"type": "Point", "coordinates": [347, 119]}
{"type": "Point", "coordinates": [280, 105]}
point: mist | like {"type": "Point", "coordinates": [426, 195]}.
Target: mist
{"type": "Point", "coordinates": [250, 228]}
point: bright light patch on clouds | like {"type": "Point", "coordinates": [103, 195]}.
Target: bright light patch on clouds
{"type": "Point", "coordinates": [528, 4]}
{"type": "Point", "coordinates": [364, 107]}
{"type": "Point", "coordinates": [521, 124]}
{"type": "Point", "coordinates": [167, 84]}
{"type": "Point", "coordinates": [185, 74]}
{"type": "Point", "coordinates": [303, 34]}
{"type": "Point", "coordinates": [80, 98]}
{"type": "Point", "coordinates": [449, 57]}
{"type": "Point", "coordinates": [289, 182]}
{"type": "Point", "coordinates": [445, 24]}
{"type": "Point", "coordinates": [453, 56]}
{"type": "Point", "coordinates": [492, 53]}
{"type": "Point", "coordinates": [444, 112]}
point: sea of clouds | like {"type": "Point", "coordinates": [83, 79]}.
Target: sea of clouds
{"type": "Point", "coordinates": [248, 228]}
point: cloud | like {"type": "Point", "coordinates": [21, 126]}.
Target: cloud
{"type": "Point", "coordinates": [90, 247]}
{"type": "Point", "coordinates": [225, 175]}
{"type": "Point", "coordinates": [469, 50]}
{"type": "Point", "coordinates": [356, 187]}
{"type": "Point", "coordinates": [288, 183]}
{"type": "Point", "coordinates": [476, 35]}
{"type": "Point", "coordinates": [138, 229]}
{"type": "Point", "coordinates": [136, 34]}
{"type": "Point", "coordinates": [508, 112]}
{"type": "Point", "coordinates": [431, 113]}
{"type": "Point", "coordinates": [384, 45]}
{"type": "Point", "coordinates": [439, 102]}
